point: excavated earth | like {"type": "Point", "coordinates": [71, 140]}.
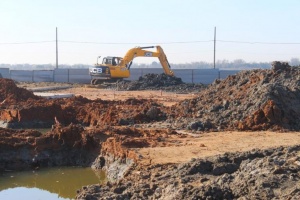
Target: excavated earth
{"type": "Point", "coordinates": [160, 82]}
{"type": "Point", "coordinates": [21, 109]}
{"type": "Point", "coordinates": [251, 100]}
{"type": "Point", "coordinates": [72, 145]}
{"type": "Point", "coordinates": [105, 134]}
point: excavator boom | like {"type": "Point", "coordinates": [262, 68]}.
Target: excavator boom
{"type": "Point", "coordinates": [141, 52]}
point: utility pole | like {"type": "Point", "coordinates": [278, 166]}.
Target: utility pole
{"type": "Point", "coordinates": [215, 50]}
{"type": "Point", "coordinates": [56, 51]}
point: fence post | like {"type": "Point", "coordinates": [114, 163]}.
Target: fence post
{"type": "Point", "coordinates": [192, 76]}
{"type": "Point", "coordinates": [68, 75]}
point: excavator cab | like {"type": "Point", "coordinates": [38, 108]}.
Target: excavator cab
{"type": "Point", "coordinates": [114, 61]}
{"type": "Point", "coordinates": [108, 71]}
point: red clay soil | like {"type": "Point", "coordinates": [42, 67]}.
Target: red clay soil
{"type": "Point", "coordinates": [10, 93]}
{"type": "Point", "coordinates": [126, 112]}
{"type": "Point", "coordinates": [23, 109]}
{"type": "Point", "coordinates": [80, 110]}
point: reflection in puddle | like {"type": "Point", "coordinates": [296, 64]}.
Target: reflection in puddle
{"type": "Point", "coordinates": [49, 183]}
{"type": "Point", "coordinates": [28, 193]}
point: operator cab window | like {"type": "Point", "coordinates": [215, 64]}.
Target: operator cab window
{"type": "Point", "coordinates": [106, 61]}
{"type": "Point", "coordinates": [114, 61]}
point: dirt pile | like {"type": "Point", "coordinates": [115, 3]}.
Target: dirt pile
{"type": "Point", "coordinates": [250, 100]}
{"type": "Point", "coordinates": [258, 174]}
{"type": "Point", "coordinates": [10, 93]}
{"type": "Point", "coordinates": [128, 112]}
{"type": "Point", "coordinates": [160, 82]}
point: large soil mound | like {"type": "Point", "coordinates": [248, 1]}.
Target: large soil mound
{"type": "Point", "coordinates": [11, 93]}
{"type": "Point", "coordinates": [160, 82]}
{"type": "Point", "coordinates": [251, 100]}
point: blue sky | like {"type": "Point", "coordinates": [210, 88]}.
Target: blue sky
{"type": "Point", "coordinates": [130, 23]}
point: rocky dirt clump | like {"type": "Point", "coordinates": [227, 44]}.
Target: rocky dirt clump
{"type": "Point", "coordinates": [160, 82]}
{"type": "Point", "coordinates": [251, 100]}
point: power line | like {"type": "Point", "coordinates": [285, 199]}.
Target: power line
{"type": "Point", "coordinates": [8, 43]}
{"type": "Point", "coordinates": [174, 42]}
{"type": "Point", "coordinates": [245, 42]}
{"type": "Point", "coordinates": [178, 42]}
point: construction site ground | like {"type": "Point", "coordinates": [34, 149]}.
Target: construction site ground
{"type": "Point", "coordinates": [189, 145]}
{"type": "Point", "coordinates": [160, 138]}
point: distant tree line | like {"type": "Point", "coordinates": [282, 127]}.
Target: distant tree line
{"type": "Point", "coordinates": [224, 64]}
{"type": "Point", "coordinates": [238, 64]}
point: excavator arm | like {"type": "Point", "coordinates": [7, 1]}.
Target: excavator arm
{"type": "Point", "coordinates": [141, 52]}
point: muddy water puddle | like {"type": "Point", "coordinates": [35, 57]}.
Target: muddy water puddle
{"type": "Point", "coordinates": [49, 183]}
{"type": "Point", "coordinates": [43, 130]}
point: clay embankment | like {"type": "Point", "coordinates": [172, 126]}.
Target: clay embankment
{"type": "Point", "coordinates": [62, 146]}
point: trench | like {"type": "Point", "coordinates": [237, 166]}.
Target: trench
{"type": "Point", "coordinates": [55, 164]}
{"type": "Point", "coordinates": [33, 162]}
{"type": "Point", "coordinates": [48, 183]}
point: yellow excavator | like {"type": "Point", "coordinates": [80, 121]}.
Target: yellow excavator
{"type": "Point", "coordinates": [117, 68]}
